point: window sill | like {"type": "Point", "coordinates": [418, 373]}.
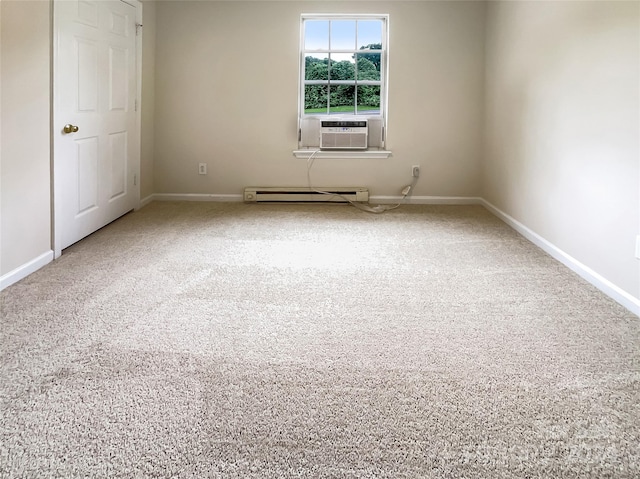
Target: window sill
{"type": "Point", "coordinates": [340, 154]}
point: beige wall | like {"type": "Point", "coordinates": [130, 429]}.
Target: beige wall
{"type": "Point", "coordinates": [226, 95]}
{"type": "Point", "coordinates": [562, 127]}
{"type": "Point", "coordinates": [25, 193]}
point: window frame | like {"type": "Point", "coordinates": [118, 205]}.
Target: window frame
{"type": "Point", "coordinates": [384, 68]}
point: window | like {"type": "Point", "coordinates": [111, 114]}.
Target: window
{"type": "Point", "coordinates": [343, 71]}
{"type": "Point", "coordinates": [343, 65]}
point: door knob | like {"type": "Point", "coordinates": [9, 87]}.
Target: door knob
{"type": "Point", "coordinates": [70, 128]}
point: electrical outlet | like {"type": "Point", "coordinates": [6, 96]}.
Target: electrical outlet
{"type": "Point", "coordinates": [202, 169]}
{"type": "Point", "coordinates": [415, 171]}
{"type": "Point", "coordinates": [638, 246]}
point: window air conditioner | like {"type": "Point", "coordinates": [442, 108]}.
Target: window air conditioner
{"type": "Point", "coordinates": [343, 134]}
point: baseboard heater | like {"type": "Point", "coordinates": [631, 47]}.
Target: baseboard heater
{"type": "Point", "coordinates": [305, 195]}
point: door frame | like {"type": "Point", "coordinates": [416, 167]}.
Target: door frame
{"type": "Point", "coordinates": [56, 213]}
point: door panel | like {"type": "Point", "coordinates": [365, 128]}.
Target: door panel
{"type": "Point", "coordinates": [87, 12]}
{"type": "Point", "coordinates": [87, 68]}
{"type": "Point", "coordinates": [118, 84]}
{"type": "Point", "coordinates": [118, 161]}
{"type": "Point", "coordinates": [94, 89]}
{"type": "Point", "coordinates": [87, 174]}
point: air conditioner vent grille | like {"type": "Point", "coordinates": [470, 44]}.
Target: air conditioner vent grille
{"type": "Point", "coordinates": [344, 141]}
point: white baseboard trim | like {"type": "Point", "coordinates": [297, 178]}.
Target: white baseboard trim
{"type": "Point", "coordinates": [607, 287]}
{"type": "Point", "coordinates": [145, 201]}
{"type": "Point", "coordinates": [194, 197]}
{"type": "Point", "coordinates": [25, 270]}
{"type": "Point", "coordinates": [427, 200]}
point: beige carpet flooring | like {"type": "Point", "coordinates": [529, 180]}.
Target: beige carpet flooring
{"type": "Point", "coordinates": [197, 340]}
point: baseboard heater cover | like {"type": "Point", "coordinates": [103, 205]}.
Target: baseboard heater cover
{"type": "Point", "coordinates": [305, 195]}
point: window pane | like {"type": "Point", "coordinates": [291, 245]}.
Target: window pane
{"type": "Point", "coordinates": [343, 35]}
{"type": "Point", "coordinates": [315, 99]}
{"type": "Point", "coordinates": [316, 68]}
{"type": "Point", "coordinates": [342, 67]}
{"type": "Point", "coordinates": [369, 33]}
{"type": "Point", "coordinates": [342, 99]}
{"type": "Point", "coordinates": [368, 100]}
{"type": "Point", "coordinates": [368, 66]}
{"type": "Point", "coordinates": [316, 35]}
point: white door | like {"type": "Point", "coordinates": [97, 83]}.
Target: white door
{"type": "Point", "coordinates": [95, 128]}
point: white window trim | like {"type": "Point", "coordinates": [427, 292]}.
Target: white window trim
{"type": "Point", "coordinates": [303, 152]}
